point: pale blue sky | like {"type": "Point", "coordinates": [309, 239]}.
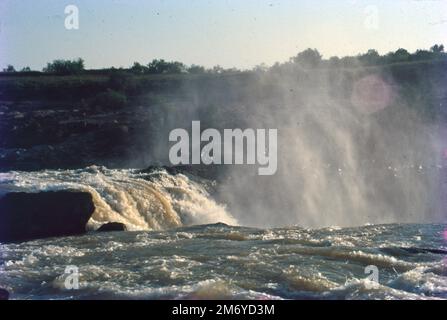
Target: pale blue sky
{"type": "Point", "coordinates": [240, 33]}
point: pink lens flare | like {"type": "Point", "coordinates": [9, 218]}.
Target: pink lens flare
{"type": "Point", "coordinates": [372, 94]}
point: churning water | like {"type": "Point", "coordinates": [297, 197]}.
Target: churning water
{"type": "Point", "coordinates": [142, 201]}
{"type": "Point", "coordinates": [224, 262]}
{"type": "Point", "coordinates": [183, 244]}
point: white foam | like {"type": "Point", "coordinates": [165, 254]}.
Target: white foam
{"type": "Point", "coordinates": [142, 202]}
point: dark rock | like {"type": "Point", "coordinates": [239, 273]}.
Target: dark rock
{"type": "Point", "coordinates": [112, 226]}
{"type": "Point", "coordinates": [4, 295]}
{"type": "Point", "coordinates": [27, 216]}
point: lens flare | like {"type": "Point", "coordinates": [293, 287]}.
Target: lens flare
{"type": "Point", "coordinates": [371, 94]}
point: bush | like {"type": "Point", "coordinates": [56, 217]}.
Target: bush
{"type": "Point", "coordinates": [195, 69]}
{"type": "Point", "coordinates": [138, 68]}
{"type": "Point", "coordinates": [309, 58]}
{"type": "Point", "coordinates": [9, 68]}
{"type": "Point", "coordinates": [162, 66]}
{"type": "Point", "coordinates": [110, 100]}
{"type": "Point", "coordinates": [65, 67]}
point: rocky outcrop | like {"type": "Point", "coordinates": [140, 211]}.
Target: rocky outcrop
{"type": "Point", "coordinates": [27, 216]}
{"type": "Point", "coordinates": [39, 135]}
{"type": "Point", "coordinates": [112, 226]}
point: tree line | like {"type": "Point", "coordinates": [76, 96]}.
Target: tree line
{"type": "Point", "coordinates": [309, 58]}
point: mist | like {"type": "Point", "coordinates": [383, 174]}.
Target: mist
{"type": "Point", "coordinates": [353, 146]}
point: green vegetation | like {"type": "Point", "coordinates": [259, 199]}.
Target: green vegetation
{"type": "Point", "coordinates": [161, 67]}
{"type": "Point", "coordinates": [310, 58]}
{"type": "Point", "coordinates": [417, 76]}
{"type": "Point", "coordinates": [100, 116]}
{"type": "Point", "coordinates": [194, 69]}
{"type": "Point", "coordinates": [65, 67]}
{"type": "Point", "coordinates": [9, 69]}
{"type": "Point", "coordinates": [307, 59]}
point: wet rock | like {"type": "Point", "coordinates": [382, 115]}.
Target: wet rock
{"type": "Point", "coordinates": [28, 216]}
{"type": "Point", "coordinates": [112, 226]}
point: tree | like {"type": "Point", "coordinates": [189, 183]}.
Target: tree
{"type": "Point", "coordinates": [349, 62]}
{"type": "Point", "coordinates": [437, 48]}
{"type": "Point", "coordinates": [9, 68]}
{"type": "Point", "coordinates": [371, 57]}
{"type": "Point", "coordinates": [334, 61]}
{"type": "Point", "coordinates": [422, 55]}
{"type": "Point", "coordinates": [195, 69]}
{"type": "Point", "coordinates": [26, 69]}
{"type": "Point", "coordinates": [161, 66]}
{"type": "Point", "coordinates": [217, 69]}
{"type": "Point", "coordinates": [261, 68]}
{"type": "Point", "coordinates": [231, 70]}
{"type": "Point", "coordinates": [138, 68]}
{"type": "Point", "coordinates": [176, 67]}
{"type": "Point", "coordinates": [65, 67]}
{"type": "Point", "coordinates": [401, 55]}
{"type": "Point", "coordinates": [308, 58]}
{"type": "Point", "coordinates": [157, 66]}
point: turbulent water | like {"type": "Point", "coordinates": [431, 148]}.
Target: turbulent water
{"type": "Point", "coordinates": [185, 245]}
{"type": "Point", "coordinates": [219, 261]}
{"type": "Point", "coordinates": [142, 201]}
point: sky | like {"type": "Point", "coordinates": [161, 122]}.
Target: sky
{"type": "Point", "coordinates": [230, 33]}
